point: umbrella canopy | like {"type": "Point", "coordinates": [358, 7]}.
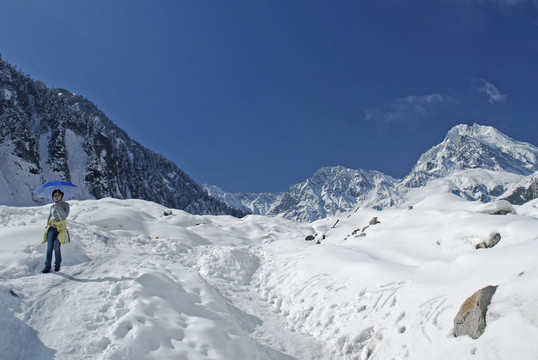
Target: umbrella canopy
{"type": "Point", "coordinates": [45, 190]}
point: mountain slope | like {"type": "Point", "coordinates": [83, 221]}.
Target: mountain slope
{"type": "Point", "coordinates": [49, 134]}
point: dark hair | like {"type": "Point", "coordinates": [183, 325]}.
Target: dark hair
{"type": "Point", "coordinates": [59, 192]}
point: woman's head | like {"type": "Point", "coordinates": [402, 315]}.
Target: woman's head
{"type": "Point", "coordinates": [57, 193]}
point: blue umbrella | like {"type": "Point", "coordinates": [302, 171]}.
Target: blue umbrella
{"type": "Point", "coordinates": [45, 190]}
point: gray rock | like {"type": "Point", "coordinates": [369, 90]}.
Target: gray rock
{"type": "Point", "coordinates": [471, 319]}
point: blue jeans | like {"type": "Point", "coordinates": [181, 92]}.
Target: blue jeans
{"type": "Point", "coordinates": [53, 244]}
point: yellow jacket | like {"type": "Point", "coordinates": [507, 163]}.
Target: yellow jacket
{"type": "Point", "coordinates": [61, 226]}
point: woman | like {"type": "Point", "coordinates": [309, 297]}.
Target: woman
{"type": "Point", "coordinates": [55, 234]}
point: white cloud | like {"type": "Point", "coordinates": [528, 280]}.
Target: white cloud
{"type": "Point", "coordinates": [485, 87]}
{"type": "Point", "coordinates": [409, 110]}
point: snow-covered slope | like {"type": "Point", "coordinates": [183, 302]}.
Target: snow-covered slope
{"type": "Point", "coordinates": [141, 285]}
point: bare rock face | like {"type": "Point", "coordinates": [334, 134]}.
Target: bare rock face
{"type": "Point", "coordinates": [471, 319]}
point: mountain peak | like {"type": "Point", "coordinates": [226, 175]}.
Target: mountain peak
{"type": "Point", "coordinates": [473, 147]}
{"type": "Point", "coordinates": [486, 135]}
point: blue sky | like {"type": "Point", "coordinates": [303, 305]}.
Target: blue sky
{"type": "Point", "coordinates": [254, 96]}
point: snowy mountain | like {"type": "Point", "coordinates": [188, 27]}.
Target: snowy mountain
{"type": "Point", "coordinates": [51, 134]}
{"type": "Point", "coordinates": [136, 284]}
{"type": "Point", "coordinates": [474, 162]}
{"type": "Point", "coordinates": [330, 191]}
{"type": "Point", "coordinates": [473, 147]}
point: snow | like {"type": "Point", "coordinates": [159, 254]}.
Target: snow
{"type": "Point", "coordinates": [77, 158]}
{"type": "Point", "coordinates": [138, 284]}
{"type": "Point", "coordinates": [7, 94]}
{"type": "Point", "coordinates": [13, 185]}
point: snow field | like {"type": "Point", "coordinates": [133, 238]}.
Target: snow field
{"type": "Point", "coordinates": [137, 284]}
{"type": "Point", "coordinates": [395, 292]}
